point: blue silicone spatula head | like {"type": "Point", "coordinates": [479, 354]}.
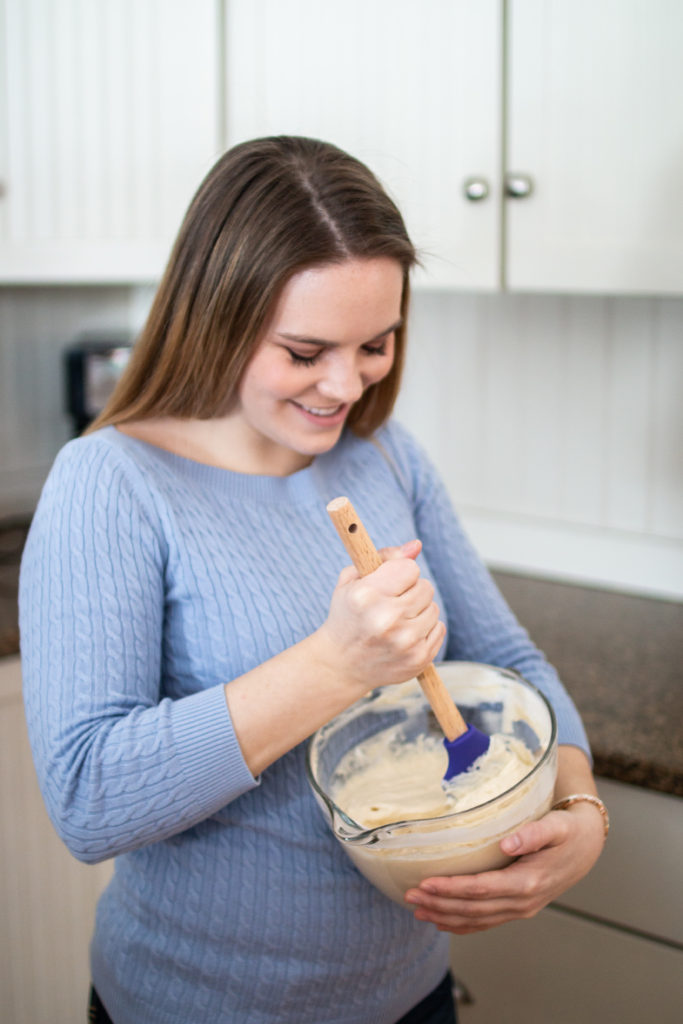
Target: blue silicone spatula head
{"type": "Point", "coordinates": [464, 743]}
{"type": "Point", "coordinates": [464, 750]}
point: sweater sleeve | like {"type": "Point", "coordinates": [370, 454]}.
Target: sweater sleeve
{"type": "Point", "coordinates": [481, 626]}
{"type": "Point", "coordinates": [119, 765]}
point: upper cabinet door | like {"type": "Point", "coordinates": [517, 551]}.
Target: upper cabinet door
{"type": "Point", "coordinates": [108, 121]}
{"type": "Point", "coordinates": [595, 124]}
{"type": "Point", "coordinates": [413, 89]}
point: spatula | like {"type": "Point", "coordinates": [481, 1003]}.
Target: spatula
{"type": "Point", "coordinates": [464, 743]}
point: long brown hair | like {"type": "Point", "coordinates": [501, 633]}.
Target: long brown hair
{"type": "Point", "coordinates": [268, 209]}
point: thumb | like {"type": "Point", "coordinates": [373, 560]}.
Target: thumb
{"type": "Point", "coordinates": [532, 837]}
{"type": "Point", "coordinates": [411, 549]}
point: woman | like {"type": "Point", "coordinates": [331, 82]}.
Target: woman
{"type": "Point", "coordinates": [188, 620]}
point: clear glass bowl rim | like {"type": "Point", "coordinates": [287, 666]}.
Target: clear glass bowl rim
{"type": "Point", "coordinates": [366, 837]}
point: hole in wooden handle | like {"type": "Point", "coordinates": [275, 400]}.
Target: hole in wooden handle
{"type": "Point", "coordinates": [353, 527]}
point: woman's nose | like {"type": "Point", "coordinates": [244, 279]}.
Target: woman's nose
{"type": "Point", "coordinates": [342, 382]}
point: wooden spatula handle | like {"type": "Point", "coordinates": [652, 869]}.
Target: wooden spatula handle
{"type": "Point", "coordinates": [447, 714]}
{"type": "Point", "coordinates": [354, 536]}
{"type": "Point", "coordinates": [366, 559]}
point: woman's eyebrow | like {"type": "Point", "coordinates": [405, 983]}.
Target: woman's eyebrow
{"type": "Point", "coordinates": [306, 340]}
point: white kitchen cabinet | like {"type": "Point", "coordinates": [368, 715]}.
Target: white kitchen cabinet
{"type": "Point", "coordinates": [610, 949]}
{"type": "Point", "coordinates": [112, 112]}
{"type": "Point", "coordinates": [413, 89]}
{"type": "Point", "coordinates": [595, 118]}
{"type": "Point", "coordinates": [561, 969]}
{"type": "Point", "coordinates": [108, 122]}
{"type": "Point", "coordinates": [581, 99]}
{"type": "Point", "coordinates": [47, 898]}
{"type": "Point", "coordinates": [637, 881]}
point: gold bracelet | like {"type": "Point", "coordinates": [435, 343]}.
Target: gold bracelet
{"type": "Point", "coordinates": [575, 798]}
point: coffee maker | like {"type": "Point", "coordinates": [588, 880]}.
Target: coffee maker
{"type": "Point", "coordinates": [92, 366]}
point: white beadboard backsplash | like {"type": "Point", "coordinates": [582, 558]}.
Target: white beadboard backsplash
{"type": "Point", "coordinates": [557, 421]}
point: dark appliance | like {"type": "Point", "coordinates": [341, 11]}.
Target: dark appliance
{"type": "Point", "coordinates": [92, 366]}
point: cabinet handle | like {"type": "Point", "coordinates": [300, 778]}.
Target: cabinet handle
{"type": "Point", "coordinates": [475, 189]}
{"type": "Point", "coordinates": [518, 186]}
{"type": "Point", "coordinates": [3, 190]}
{"type": "Point", "coordinates": [461, 993]}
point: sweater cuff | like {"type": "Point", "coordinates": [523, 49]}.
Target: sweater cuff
{"type": "Point", "coordinates": [209, 750]}
{"type": "Point", "coordinates": [570, 732]}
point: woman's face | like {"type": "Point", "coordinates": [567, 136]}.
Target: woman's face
{"type": "Point", "coordinates": [331, 336]}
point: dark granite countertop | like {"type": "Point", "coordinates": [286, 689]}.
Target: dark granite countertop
{"type": "Point", "coordinates": [620, 656]}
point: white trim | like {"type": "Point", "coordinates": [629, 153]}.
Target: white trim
{"type": "Point", "coordinates": [606, 558]}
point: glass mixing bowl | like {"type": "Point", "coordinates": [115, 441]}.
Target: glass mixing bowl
{"type": "Point", "coordinates": [398, 856]}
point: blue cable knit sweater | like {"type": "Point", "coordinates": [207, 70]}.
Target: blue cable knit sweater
{"type": "Point", "coordinates": [150, 580]}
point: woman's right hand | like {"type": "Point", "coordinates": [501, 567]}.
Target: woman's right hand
{"type": "Point", "coordinates": [384, 627]}
{"type": "Point", "coordinates": [381, 628]}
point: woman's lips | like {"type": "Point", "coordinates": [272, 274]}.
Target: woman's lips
{"type": "Point", "coordinates": [330, 416]}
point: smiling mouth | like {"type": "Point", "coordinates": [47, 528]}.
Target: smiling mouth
{"type": "Point", "coordinates": [323, 413]}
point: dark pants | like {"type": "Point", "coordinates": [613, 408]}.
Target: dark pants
{"type": "Point", "coordinates": [436, 1008]}
{"type": "Point", "coordinates": [96, 1011]}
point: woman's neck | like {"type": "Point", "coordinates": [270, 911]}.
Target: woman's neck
{"type": "Point", "coordinates": [219, 442]}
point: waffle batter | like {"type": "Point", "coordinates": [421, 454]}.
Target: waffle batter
{"type": "Point", "coordinates": [387, 779]}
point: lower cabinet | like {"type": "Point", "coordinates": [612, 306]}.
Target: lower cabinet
{"type": "Point", "coordinates": [47, 898]}
{"type": "Point", "coordinates": [563, 969]}
{"type": "Point", "coordinates": [611, 949]}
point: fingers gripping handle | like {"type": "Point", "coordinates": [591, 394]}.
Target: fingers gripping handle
{"type": "Point", "coordinates": [366, 559]}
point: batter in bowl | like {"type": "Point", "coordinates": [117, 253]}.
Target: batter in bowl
{"type": "Point", "coordinates": [388, 779]}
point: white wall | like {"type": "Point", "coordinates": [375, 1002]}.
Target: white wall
{"type": "Point", "coordinates": [556, 421]}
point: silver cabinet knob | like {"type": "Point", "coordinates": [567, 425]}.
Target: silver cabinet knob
{"type": "Point", "coordinates": [518, 186]}
{"type": "Point", "coordinates": [475, 189]}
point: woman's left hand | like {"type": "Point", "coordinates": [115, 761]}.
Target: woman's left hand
{"type": "Point", "coordinates": [552, 854]}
